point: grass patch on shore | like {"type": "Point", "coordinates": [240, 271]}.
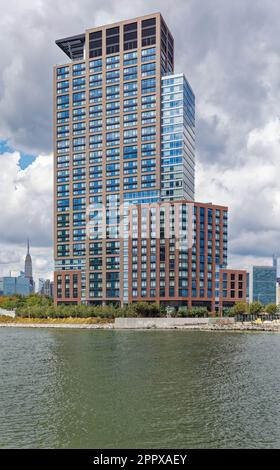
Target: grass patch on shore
{"type": "Point", "coordinates": [70, 320]}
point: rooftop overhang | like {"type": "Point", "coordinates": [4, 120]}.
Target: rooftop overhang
{"type": "Point", "coordinates": [73, 46]}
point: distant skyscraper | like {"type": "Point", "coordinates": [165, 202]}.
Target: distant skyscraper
{"type": "Point", "coordinates": [28, 267]}
{"type": "Point", "coordinates": [275, 262]}
{"type": "Point", "coordinates": [15, 285]}
{"type": "Point", "coordinates": [46, 287]}
{"type": "Point", "coordinates": [262, 286]}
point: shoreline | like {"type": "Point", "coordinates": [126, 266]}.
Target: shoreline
{"type": "Point", "coordinates": [238, 326]}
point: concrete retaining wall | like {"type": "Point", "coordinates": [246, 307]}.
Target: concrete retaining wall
{"type": "Point", "coordinates": [7, 313]}
{"type": "Point", "coordinates": [167, 323]}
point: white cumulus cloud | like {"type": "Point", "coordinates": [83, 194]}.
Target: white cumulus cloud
{"type": "Point", "coordinates": [26, 212]}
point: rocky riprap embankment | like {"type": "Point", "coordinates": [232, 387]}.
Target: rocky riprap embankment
{"type": "Point", "coordinates": [88, 326]}
{"type": "Point", "coordinates": [217, 325]}
{"type": "Point", "coordinates": [244, 326]}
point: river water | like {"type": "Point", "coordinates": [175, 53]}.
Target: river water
{"type": "Point", "coordinates": [139, 389]}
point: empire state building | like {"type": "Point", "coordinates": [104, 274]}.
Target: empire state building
{"type": "Point", "coordinates": [28, 267]}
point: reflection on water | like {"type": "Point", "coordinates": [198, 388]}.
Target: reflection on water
{"type": "Point", "coordinates": [143, 389]}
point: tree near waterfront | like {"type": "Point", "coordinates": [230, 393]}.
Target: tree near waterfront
{"type": "Point", "coordinates": [256, 307]}
{"type": "Point", "coordinates": [271, 309]}
{"type": "Point", "coordinates": [240, 308]}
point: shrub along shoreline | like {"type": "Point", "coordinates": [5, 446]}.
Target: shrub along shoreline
{"type": "Point", "coordinates": [140, 309]}
{"type": "Point", "coordinates": [41, 307]}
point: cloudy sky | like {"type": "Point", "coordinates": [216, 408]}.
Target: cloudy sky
{"type": "Point", "coordinates": [229, 51]}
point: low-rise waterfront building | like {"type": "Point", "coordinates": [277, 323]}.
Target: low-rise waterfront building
{"type": "Point", "coordinates": [14, 285]}
{"type": "Point", "coordinates": [262, 284]}
{"type": "Point", "coordinates": [46, 287]}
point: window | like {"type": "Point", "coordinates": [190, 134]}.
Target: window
{"type": "Point", "coordinates": [130, 73]}
{"type": "Point", "coordinates": [79, 189]}
{"type": "Point", "coordinates": [79, 143]}
{"type": "Point", "coordinates": [95, 65]}
{"type": "Point", "coordinates": [148, 150]}
{"type": "Point", "coordinates": [129, 135]}
{"type": "Point", "coordinates": [130, 152]}
{"type": "Point", "coordinates": [112, 154]}
{"type": "Point", "coordinates": [148, 85]}
{"type": "Point", "coordinates": [95, 95]}
{"type": "Point", "coordinates": [79, 128]}
{"type": "Point", "coordinates": [130, 183]}
{"type": "Point", "coordinates": [78, 69]}
{"type": "Point", "coordinates": [130, 58]}
{"type": "Point", "coordinates": [79, 99]}
{"type": "Point", "coordinates": [130, 36]}
{"type": "Point", "coordinates": [112, 123]}
{"type": "Point", "coordinates": [95, 111]}
{"type": "Point", "coordinates": [148, 117]}
{"type": "Point", "coordinates": [95, 125]}
{"type": "Point", "coordinates": [95, 46]}
{"type": "Point", "coordinates": [62, 161]}
{"type": "Point", "coordinates": [112, 108]}
{"type": "Point", "coordinates": [113, 185]}
{"type": "Point", "coordinates": [95, 80]}
{"type": "Point", "coordinates": [130, 120]}
{"type": "Point", "coordinates": [112, 92]}
{"type": "Point", "coordinates": [79, 83]}
{"type": "Point", "coordinates": [79, 173]}
{"type": "Point", "coordinates": [112, 138]}
{"type": "Point", "coordinates": [62, 117]}
{"type": "Point", "coordinates": [95, 172]}
{"type": "Point", "coordinates": [95, 157]}
{"type": "Point", "coordinates": [79, 159]}
{"type": "Point", "coordinates": [62, 131]}
{"type": "Point", "coordinates": [148, 69]}
{"type": "Point", "coordinates": [130, 105]}
{"type": "Point", "coordinates": [62, 102]}
{"type": "Point", "coordinates": [95, 141]}
{"type": "Point", "coordinates": [148, 32]}
{"type": "Point", "coordinates": [148, 54]}
{"type": "Point", "coordinates": [112, 169]}
{"type": "Point", "coordinates": [148, 133]}
{"type": "Point", "coordinates": [63, 205]}
{"type": "Point", "coordinates": [62, 72]}
{"type": "Point", "coordinates": [130, 89]}
{"type": "Point", "coordinates": [62, 87]}
{"type": "Point", "coordinates": [148, 181]}
{"type": "Point", "coordinates": [62, 146]}
{"type": "Point", "coordinates": [79, 204]}
{"type": "Point", "coordinates": [112, 62]}
{"type": "Point", "coordinates": [148, 165]}
{"type": "Point", "coordinates": [130, 167]}
{"type": "Point", "coordinates": [112, 77]}
{"type": "Point", "coordinates": [79, 114]}
{"type": "Point", "coordinates": [148, 101]}
{"type": "Point", "coordinates": [112, 40]}
{"type": "Point", "coordinates": [79, 249]}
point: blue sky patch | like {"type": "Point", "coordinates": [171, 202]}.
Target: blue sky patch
{"type": "Point", "coordinates": [25, 159]}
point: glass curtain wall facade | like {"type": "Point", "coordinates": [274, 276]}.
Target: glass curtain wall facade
{"type": "Point", "coordinates": [263, 284]}
{"type": "Point", "coordinates": [177, 138]}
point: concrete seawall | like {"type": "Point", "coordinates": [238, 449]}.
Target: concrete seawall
{"type": "Point", "coordinates": [7, 313]}
{"type": "Point", "coordinates": [168, 323]}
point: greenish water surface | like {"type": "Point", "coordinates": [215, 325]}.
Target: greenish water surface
{"type": "Point", "coordinates": [139, 389]}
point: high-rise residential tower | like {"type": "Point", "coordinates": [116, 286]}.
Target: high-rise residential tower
{"type": "Point", "coordinates": [124, 138]}
{"type": "Point", "coordinates": [109, 150]}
